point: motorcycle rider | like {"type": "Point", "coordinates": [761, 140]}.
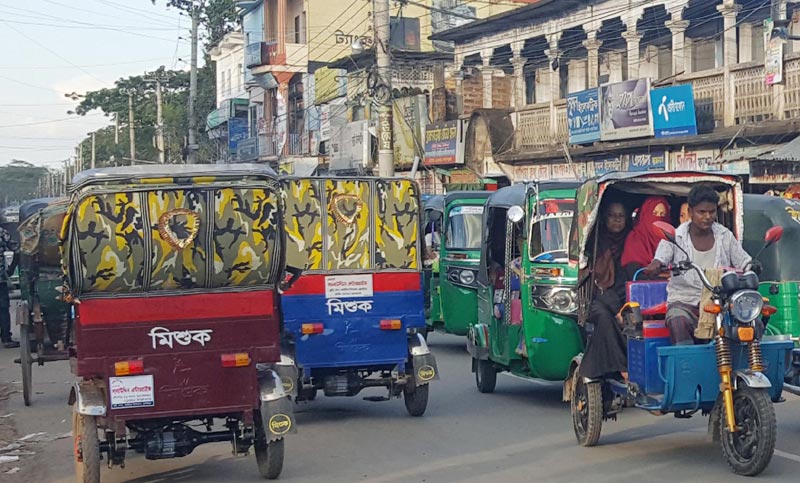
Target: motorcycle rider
{"type": "Point", "coordinates": [709, 245]}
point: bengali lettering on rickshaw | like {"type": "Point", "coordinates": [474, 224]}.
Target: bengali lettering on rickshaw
{"type": "Point", "coordinates": [348, 306]}
{"type": "Point", "coordinates": [345, 286]}
{"type": "Point", "coordinates": [161, 336]}
{"type": "Point", "coordinates": [131, 392]}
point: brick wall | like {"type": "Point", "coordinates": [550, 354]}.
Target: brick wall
{"type": "Point", "coordinates": [439, 104]}
{"type": "Point", "coordinates": [472, 93]}
{"type": "Point", "coordinates": [502, 91]}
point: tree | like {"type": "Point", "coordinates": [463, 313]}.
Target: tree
{"type": "Point", "coordinates": [20, 179]}
{"type": "Point", "coordinates": [217, 16]}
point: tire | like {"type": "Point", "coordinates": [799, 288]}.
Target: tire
{"type": "Point", "coordinates": [485, 376]}
{"type": "Point", "coordinates": [269, 455]}
{"type": "Point", "coordinates": [749, 451]}
{"type": "Point", "coordinates": [586, 407]}
{"type": "Point", "coordinates": [84, 434]}
{"type": "Point", "coordinates": [417, 400]}
{"type": "Point", "coordinates": [26, 363]}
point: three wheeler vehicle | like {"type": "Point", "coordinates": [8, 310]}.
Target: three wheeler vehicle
{"type": "Point", "coordinates": [172, 275]}
{"type": "Point", "coordinates": [354, 319]}
{"type": "Point", "coordinates": [43, 316]}
{"type": "Point", "coordinates": [735, 378]}
{"type": "Point", "coordinates": [526, 287]}
{"type": "Point", "coordinates": [433, 212]}
{"type": "Point", "coordinates": [453, 298]}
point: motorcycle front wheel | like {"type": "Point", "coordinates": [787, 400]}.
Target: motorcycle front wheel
{"type": "Point", "coordinates": [749, 450]}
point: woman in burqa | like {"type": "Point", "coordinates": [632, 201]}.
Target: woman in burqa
{"type": "Point", "coordinates": [643, 240]}
{"type": "Point", "coordinates": [606, 351]}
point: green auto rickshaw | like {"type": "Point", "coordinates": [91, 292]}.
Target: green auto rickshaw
{"type": "Point", "coordinates": [526, 287]}
{"type": "Point", "coordinates": [780, 274]}
{"type": "Point", "coordinates": [433, 211]}
{"type": "Point", "coordinates": [452, 296]}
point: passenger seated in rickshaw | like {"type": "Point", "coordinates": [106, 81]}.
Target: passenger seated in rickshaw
{"type": "Point", "coordinates": [606, 351]}
{"type": "Point", "coordinates": [642, 241]}
{"type": "Point", "coordinates": [710, 245]}
{"type": "Point", "coordinates": [498, 280]}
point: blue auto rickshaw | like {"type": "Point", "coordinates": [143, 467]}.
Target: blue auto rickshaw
{"type": "Point", "coordinates": [353, 309]}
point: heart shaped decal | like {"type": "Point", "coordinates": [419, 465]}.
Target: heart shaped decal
{"type": "Point", "coordinates": [179, 227]}
{"type": "Point", "coordinates": [345, 207]}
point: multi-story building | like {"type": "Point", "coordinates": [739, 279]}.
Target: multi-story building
{"type": "Point", "coordinates": [565, 88]}
{"type": "Point", "coordinates": [288, 47]}
{"type": "Point", "coordinates": [227, 124]}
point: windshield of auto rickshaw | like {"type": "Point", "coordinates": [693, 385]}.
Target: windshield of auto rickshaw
{"type": "Point", "coordinates": [549, 231]}
{"type": "Point", "coordinates": [464, 228]}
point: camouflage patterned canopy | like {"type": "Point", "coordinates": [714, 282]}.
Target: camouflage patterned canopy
{"type": "Point", "coordinates": [336, 224]}
{"type": "Point", "coordinates": [197, 230]}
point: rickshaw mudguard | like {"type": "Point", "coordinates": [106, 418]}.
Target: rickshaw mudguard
{"type": "Point", "coordinates": [89, 398]}
{"type": "Point", "coordinates": [478, 342]}
{"type": "Point", "coordinates": [287, 370]}
{"type": "Point", "coordinates": [277, 409]}
{"type": "Point", "coordinates": [422, 360]}
{"type": "Point", "coordinates": [756, 380]}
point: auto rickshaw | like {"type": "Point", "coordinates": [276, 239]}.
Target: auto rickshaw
{"type": "Point", "coordinates": [735, 378]}
{"type": "Point", "coordinates": [453, 298]}
{"type": "Point", "coordinates": [354, 319]}
{"type": "Point", "coordinates": [172, 274]}
{"type": "Point", "coordinates": [526, 287]}
{"type": "Point", "coordinates": [43, 315]}
{"type": "Point", "coordinates": [432, 236]}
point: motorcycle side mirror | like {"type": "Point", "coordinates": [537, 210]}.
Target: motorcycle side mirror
{"type": "Point", "coordinates": [773, 235]}
{"type": "Point", "coordinates": [515, 214]}
{"type": "Point", "coordinates": [665, 231]}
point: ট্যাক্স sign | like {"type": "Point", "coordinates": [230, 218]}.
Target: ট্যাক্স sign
{"type": "Point", "coordinates": [673, 111]}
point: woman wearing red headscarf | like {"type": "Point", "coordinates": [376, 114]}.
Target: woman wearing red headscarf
{"type": "Point", "coordinates": [642, 241]}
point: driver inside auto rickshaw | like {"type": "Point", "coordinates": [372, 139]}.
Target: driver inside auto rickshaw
{"type": "Point", "coordinates": [709, 245]}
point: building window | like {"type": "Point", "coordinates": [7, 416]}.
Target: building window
{"type": "Point", "coordinates": [404, 33]}
{"type": "Point", "coordinates": [530, 86]}
{"type": "Point", "coordinates": [300, 29]}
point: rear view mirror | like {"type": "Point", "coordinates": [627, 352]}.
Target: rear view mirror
{"type": "Point", "coordinates": [435, 216]}
{"type": "Point", "coordinates": [773, 235]}
{"type": "Point", "coordinates": [665, 231]}
{"type": "Point", "coordinates": [515, 214]}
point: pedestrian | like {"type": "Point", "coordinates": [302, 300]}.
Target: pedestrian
{"type": "Point", "coordinates": [6, 268]}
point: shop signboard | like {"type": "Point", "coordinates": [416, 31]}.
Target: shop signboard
{"type": "Point", "coordinates": [652, 161]}
{"type": "Point", "coordinates": [583, 117]}
{"type": "Point", "coordinates": [625, 110]}
{"type": "Point", "coordinates": [444, 143]}
{"type": "Point", "coordinates": [673, 111]}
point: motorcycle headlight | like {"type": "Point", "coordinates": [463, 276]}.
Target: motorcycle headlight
{"type": "Point", "coordinates": [746, 305]}
{"type": "Point", "coordinates": [561, 300]}
{"type": "Point", "coordinates": [467, 277]}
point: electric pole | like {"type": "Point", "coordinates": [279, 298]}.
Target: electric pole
{"type": "Point", "coordinates": [193, 86]}
{"type": "Point", "coordinates": [158, 77]}
{"type": "Point", "coordinates": [383, 91]}
{"type": "Point", "coordinates": [116, 128]}
{"type": "Point", "coordinates": [93, 149]}
{"type": "Point", "coordinates": [79, 160]}
{"type": "Point", "coordinates": [132, 134]}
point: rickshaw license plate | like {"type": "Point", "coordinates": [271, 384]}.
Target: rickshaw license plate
{"type": "Point", "coordinates": [131, 392]}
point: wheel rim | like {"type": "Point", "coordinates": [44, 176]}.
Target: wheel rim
{"type": "Point", "coordinates": [581, 403]}
{"type": "Point", "coordinates": [745, 441]}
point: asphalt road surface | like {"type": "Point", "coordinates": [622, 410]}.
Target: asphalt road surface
{"type": "Point", "coordinates": [522, 432]}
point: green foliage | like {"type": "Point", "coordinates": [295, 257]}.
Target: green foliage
{"type": "Point", "coordinates": [20, 180]}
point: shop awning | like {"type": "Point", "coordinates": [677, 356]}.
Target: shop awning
{"type": "Point", "coordinates": [788, 152]}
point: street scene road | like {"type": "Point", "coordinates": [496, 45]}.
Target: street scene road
{"type": "Point", "coordinates": [522, 432]}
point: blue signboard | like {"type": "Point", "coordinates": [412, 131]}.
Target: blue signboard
{"type": "Point", "coordinates": [237, 131]}
{"type": "Point", "coordinates": [583, 117]}
{"type": "Point", "coordinates": [652, 161]}
{"type": "Point", "coordinates": [673, 111]}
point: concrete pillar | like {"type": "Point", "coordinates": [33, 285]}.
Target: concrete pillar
{"type": "Point", "coordinates": [680, 61]}
{"type": "Point", "coordinates": [281, 23]}
{"type": "Point", "coordinates": [688, 52]}
{"type": "Point", "coordinates": [745, 42]}
{"type": "Point", "coordinates": [487, 72]}
{"type": "Point", "coordinates": [633, 38]}
{"type": "Point", "coordinates": [458, 64]}
{"type": "Point", "coordinates": [593, 56]}
{"type": "Point", "coordinates": [555, 74]}
{"type": "Point", "coordinates": [728, 10]}
{"type": "Point", "coordinates": [518, 62]}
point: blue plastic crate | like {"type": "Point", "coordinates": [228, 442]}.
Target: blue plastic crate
{"type": "Point", "coordinates": [643, 364]}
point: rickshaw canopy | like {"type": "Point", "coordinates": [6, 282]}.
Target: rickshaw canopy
{"type": "Point", "coordinates": [435, 203]}
{"type": "Point", "coordinates": [670, 183]}
{"type": "Point", "coordinates": [140, 229]}
{"type": "Point", "coordinates": [761, 212]}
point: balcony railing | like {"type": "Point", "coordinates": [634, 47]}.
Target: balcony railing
{"type": "Point", "coordinates": [723, 97]}
{"type": "Point", "coordinates": [273, 55]}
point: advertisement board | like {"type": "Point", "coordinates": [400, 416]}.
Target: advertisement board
{"type": "Point", "coordinates": [625, 110]}
{"type": "Point", "coordinates": [444, 143]}
{"type": "Point", "coordinates": [673, 111]}
{"type": "Point", "coordinates": [583, 117]}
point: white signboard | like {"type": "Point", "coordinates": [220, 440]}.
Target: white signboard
{"type": "Point", "coordinates": [131, 392]}
{"type": "Point", "coordinates": [345, 286]}
{"type": "Point", "coordinates": [466, 210]}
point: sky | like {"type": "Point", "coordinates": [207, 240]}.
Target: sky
{"type": "Point", "coordinates": [54, 47]}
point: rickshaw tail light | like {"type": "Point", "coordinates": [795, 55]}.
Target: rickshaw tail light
{"type": "Point", "coordinates": [712, 309]}
{"type": "Point", "coordinates": [128, 368]}
{"type": "Point", "coordinates": [240, 359]}
{"type": "Point", "coordinates": [312, 328]}
{"type": "Point", "coordinates": [768, 310]}
{"type": "Point", "coordinates": [746, 334]}
{"type": "Point", "coordinates": [392, 324]}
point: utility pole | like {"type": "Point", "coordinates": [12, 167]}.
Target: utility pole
{"type": "Point", "coordinates": [116, 128]}
{"type": "Point", "coordinates": [93, 149]}
{"type": "Point", "coordinates": [132, 133]}
{"type": "Point", "coordinates": [383, 91]}
{"type": "Point", "coordinates": [193, 87]}
{"type": "Point", "coordinates": [158, 77]}
{"type": "Point", "coordinates": [79, 159]}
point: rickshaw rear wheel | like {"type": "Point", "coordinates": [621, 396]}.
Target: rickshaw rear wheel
{"type": "Point", "coordinates": [26, 363]}
{"type": "Point", "coordinates": [85, 438]}
{"type": "Point", "coordinates": [586, 407]}
{"type": "Point", "coordinates": [269, 454]}
{"type": "Point", "coordinates": [749, 450]}
{"type": "Point", "coordinates": [416, 400]}
{"type": "Point", "coordinates": [485, 376]}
